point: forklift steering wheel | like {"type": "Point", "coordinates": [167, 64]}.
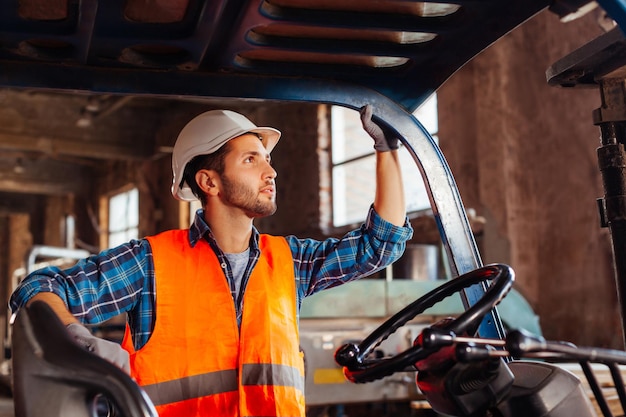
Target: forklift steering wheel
{"type": "Point", "coordinates": [353, 357]}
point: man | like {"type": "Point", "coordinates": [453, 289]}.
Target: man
{"type": "Point", "coordinates": [213, 311]}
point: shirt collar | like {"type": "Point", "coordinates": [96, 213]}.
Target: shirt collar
{"type": "Point", "coordinates": [199, 229]}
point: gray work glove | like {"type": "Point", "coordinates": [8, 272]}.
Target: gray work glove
{"type": "Point", "coordinates": [106, 349]}
{"type": "Point", "coordinates": [383, 141]}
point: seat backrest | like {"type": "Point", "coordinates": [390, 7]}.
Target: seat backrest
{"type": "Point", "coordinates": [53, 376]}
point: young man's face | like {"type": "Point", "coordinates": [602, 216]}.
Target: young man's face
{"type": "Point", "coordinates": [248, 179]}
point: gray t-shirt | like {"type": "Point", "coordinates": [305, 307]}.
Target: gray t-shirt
{"type": "Point", "coordinates": [238, 263]}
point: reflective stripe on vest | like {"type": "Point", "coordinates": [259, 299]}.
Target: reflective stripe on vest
{"type": "Point", "coordinates": [191, 365]}
{"type": "Point", "coordinates": [223, 381]}
{"type": "Point", "coordinates": [192, 387]}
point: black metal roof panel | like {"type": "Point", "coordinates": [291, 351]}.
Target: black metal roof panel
{"type": "Point", "coordinates": [400, 48]}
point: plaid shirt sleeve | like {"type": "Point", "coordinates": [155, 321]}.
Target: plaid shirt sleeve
{"type": "Point", "coordinates": [325, 264]}
{"type": "Point", "coordinates": [99, 287]}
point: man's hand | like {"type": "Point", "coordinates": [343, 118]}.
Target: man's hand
{"type": "Point", "coordinates": [383, 142]}
{"type": "Point", "coordinates": [108, 350]}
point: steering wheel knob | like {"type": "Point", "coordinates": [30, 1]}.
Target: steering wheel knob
{"type": "Point", "coordinates": [434, 338]}
{"type": "Point", "coordinates": [347, 355]}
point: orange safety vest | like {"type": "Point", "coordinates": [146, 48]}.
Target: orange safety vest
{"type": "Point", "coordinates": [197, 361]}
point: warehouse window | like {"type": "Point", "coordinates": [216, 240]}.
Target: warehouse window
{"type": "Point", "coordinates": [353, 161]}
{"type": "Point", "coordinates": [123, 221]}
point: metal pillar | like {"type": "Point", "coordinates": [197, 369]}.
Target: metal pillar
{"type": "Point", "coordinates": [602, 62]}
{"type": "Point", "coordinates": [611, 118]}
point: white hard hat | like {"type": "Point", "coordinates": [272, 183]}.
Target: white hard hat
{"type": "Point", "coordinates": [207, 133]}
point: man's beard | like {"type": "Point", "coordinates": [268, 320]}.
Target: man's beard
{"type": "Point", "coordinates": [246, 198]}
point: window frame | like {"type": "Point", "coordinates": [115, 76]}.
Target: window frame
{"type": "Point", "coordinates": [105, 216]}
{"type": "Point", "coordinates": [423, 205]}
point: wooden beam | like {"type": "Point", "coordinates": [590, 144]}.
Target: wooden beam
{"type": "Point", "coordinates": [51, 145]}
{"type": "Point", "coordinates": [30, 186]}
{"type": "Point", "coordinates": [43, 176]}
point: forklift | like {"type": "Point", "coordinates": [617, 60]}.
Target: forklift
{"type": "Point", "coordinates": [469, 365]}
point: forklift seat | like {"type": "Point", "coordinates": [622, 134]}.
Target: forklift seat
{"type": "Point", "coordinates": [53, 376]}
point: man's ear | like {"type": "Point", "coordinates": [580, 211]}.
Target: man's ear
{"type": "Point", "coordinates": [207, 181]}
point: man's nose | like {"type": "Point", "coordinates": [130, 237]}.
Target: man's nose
{"type": "Point", "coordinates": [270, 171]}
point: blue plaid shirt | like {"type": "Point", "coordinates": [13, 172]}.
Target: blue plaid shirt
{"type": "Point", "coordinates": [121, 279]}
